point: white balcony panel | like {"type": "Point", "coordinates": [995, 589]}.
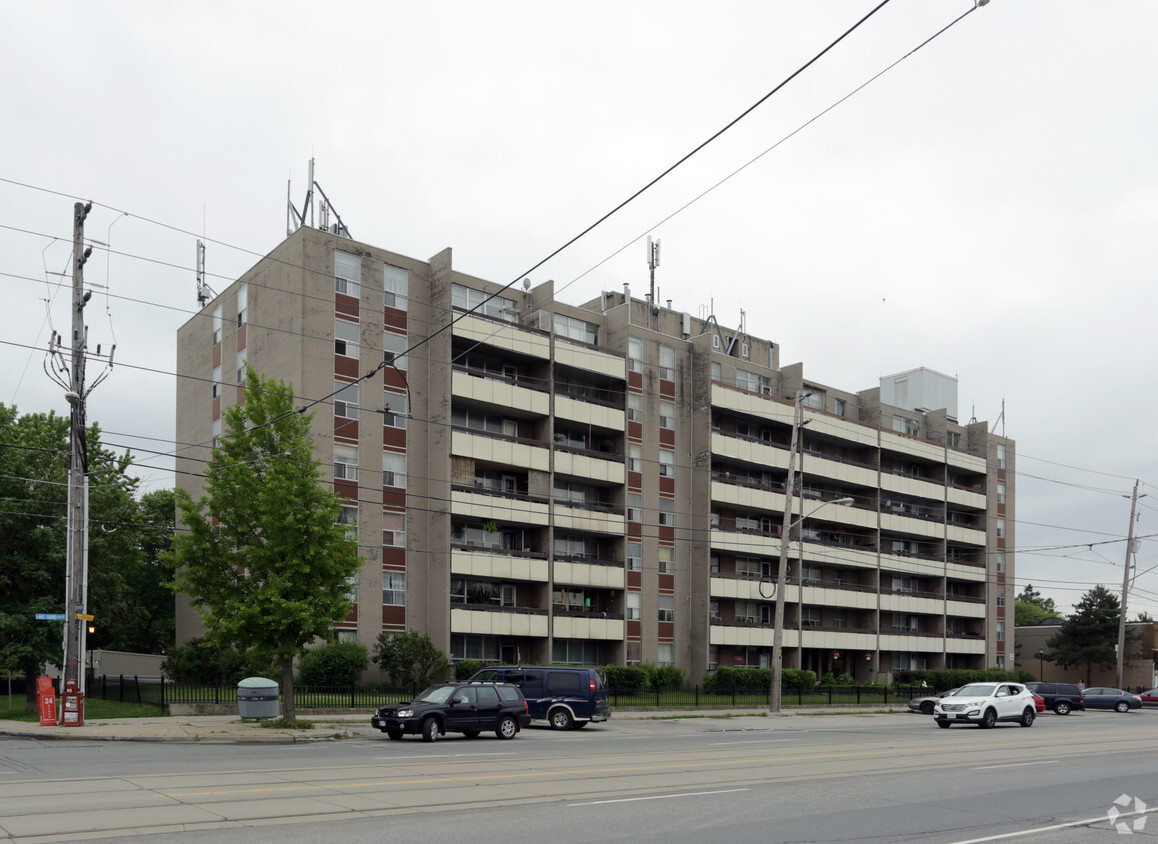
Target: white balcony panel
{"type": "Point", "coordinates": [586, 574]}
{"type": "Point", "coordinates": [835, 470]}
{"type": "Point", "coordinates": [965, 609]}
{"type": "Point", "coordinates": [843, 428]}
{"type": "Point", "coordinates": [590, 413]}
{"type": "Point", "coordinates": [909, 565]}
{"type": "Point", "coordinates": [960, 572]}
{"type": "Point", "coordinates": [497, 565]}
{"type": "Point", "coordinates": [577, 518]}
{"type": "Point", "coordinates": [592, 360]}
{"type": "Point", "coordinates": [749, 451]}
{"type": "Point", "coordinates": [761, 406]}
{"type": "Point", "coordinates": [852, 516]}
{"type": "Point", "coordinates": [912, 604]}
{"type": "Point", "coordinates": [844, 555]}
{"type": "Point", "coordinates": [966, 498]}
{"type": "Point", "coordinates": [498, 508]}
{"type": "Point", "coordinates": [836, 640]}
{"type": "Point", "coordinates": [840, 597]}
{"type": "Point", "coordinates": [969, 462]}
{"type": "Point", "coordinates": [905, 485]}
{"type": "Point", "coordinates": [503, 336]}
{"type": "Point", "coordinates": [902, 642]}
{"type": "Point", "coordinates": [756, 637]}
{"type": "Point", "coordinates": [493, 450]}
{"type": "Point", "coordinates": [915, 448]}
{"type": "Point", "coordinates": [496, 623]}
{"type": "Point", "coordinates": [500, 393]}
{"type": "Point", "coordinates": [750, 544]}
{"type": "Point", "coordinates": [580, 627]}
{"type": "Point", "coordinates": [968, 536]}
{"type": "Point", "coordinates": [610, 471]}
{"type": "Point", "coordinates": [912, 526]}
{"type": "Point", "coordinates": [748, 589]}
{"type": "Point", "coordinates": [965, 646]}
{"type": "Point", "coordinates": [748, 498]}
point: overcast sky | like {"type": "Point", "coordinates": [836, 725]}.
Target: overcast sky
{"type": "Point", "coordinates": [982, 209]}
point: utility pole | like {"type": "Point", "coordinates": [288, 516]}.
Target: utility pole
{"type": "Point", "coordinates": [1126, 588]}
{"type": "Point", "coordinates": [781, 576]}
{"type": "Point", "coordinates": [76, 585]}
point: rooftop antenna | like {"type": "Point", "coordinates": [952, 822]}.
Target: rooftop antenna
{"type": "Point", "coordinates": [204, 292]}
{"type": "Point", "coordinates": [652, 263]}
{"type": "Point", "coordinates": [1001, 419]}
{"type": "Point", "coordinates": [296, 218]}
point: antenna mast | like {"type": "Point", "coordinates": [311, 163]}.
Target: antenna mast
{"type": "Point", "coordinates": [296, 218]}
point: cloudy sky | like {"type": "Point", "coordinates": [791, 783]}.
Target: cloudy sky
{"type": "Point", "coordinates": [982, 208]}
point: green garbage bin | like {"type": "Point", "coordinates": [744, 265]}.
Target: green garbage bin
{"type": "Point", "coordinates": [257, 698]}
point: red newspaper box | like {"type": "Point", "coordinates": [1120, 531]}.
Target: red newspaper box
{"type": "Point", "coordinates": [46, 701]}
{"type": "Point", "coordinates": [72, 705]}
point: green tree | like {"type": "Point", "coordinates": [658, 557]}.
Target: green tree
{"type": "Point", "coordinates": [409, 659]}
{"type": "Point", "coordinates": [1088, 637]}
{"type": "Point", "coordinates": [264, 558]}
{"type": "Point", "coordinates": [1031, 608]}
{"type": "Point", "coordinates": [1145, 618]}
{"type": "Point", "coordinates": [34, 460]}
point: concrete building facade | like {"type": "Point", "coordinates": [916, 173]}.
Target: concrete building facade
{"type": "Point", "coordinates": [606, 483]}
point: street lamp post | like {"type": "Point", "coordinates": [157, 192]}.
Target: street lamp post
{"type": "Point", "coordinates": [781, 577]}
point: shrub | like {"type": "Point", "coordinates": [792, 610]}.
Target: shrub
{"type": "Point", "coordinates": [206, 662]}
{"type": "Point", "coordinates": [664, 677]}
{"type": "Point", "coordinates": [795, 678]}
{"type": "Point", "coordinates": [464, 669]}
{"type": "Point", "coordinates": [336, 664]}
{"type": "Point", "coordinates": [627, 678]}
{"type": "Point", "coordinates": [409, 659]}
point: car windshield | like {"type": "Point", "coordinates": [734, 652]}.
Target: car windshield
{"type": "Point", "coordinates": [436, 694]}
{"type": "Point", "coordinates": [975, 690]}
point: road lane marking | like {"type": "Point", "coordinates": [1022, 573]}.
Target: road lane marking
{"type": "Point", "coordinates": [1039, 830]}
{"type": "Point", "coordinates": [657, 797]}
{"type": "Point", "coordinates": [751, 741]}
{"type": "Point", "coordinates": [1016, 765]}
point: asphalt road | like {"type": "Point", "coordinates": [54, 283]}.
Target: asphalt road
{"type": "Point", "coordinates": [794, 779]}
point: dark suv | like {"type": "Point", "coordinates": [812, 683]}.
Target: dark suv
{"type": "Point", "coordinates": [1062, 698]}
{"type": "Point", "coordinates": [467, 708]}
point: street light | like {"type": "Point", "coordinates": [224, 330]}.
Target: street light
{"type": "Point", "coordinates": [1040, 664]}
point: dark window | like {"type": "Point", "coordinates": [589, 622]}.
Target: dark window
{"type": "Point", "coordinates": [487, 676]}
{"type": "Point", "coordinates": [563, 681]}
{"type": "Point", "coordinates": [532, 678]}
{"type": "Point", "coordinates": [507, 693]}
{"type": "Point", "coordinates": [514, 677]}
{"type": "Point", "coordinates": [487, 696]}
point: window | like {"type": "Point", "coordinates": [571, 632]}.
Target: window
{"type": "Point", "coordinates": [393, 529]}
{"type": "Point", "coordinates": [216, 387]}
{"type": "Point", "coordinates": [752, 382]}
{"type": "Point", "coordinates": [347, 274]}
{"type": "Point", "coordinates": [395, 284]}
{"type": "Point", "coordinates": [953, 439]}
{"type": "Point", "coordinates": [347, 635]}
{"type": "Point", "coordinates": [394, 469]}
{"type": "Point", "coordinates": [573, 652]}
{"type": "Point", "coordinates": [717, 371]}
{"type": "Point", "coordinates": [667, 607]}
{"type": "Point", "coordinates": [469, 299]}
{"type": "Point", "coordinates": [345, 462]}
{"type": "Point", "coordinates": [667, 512]}
{"type": "Point", "coordinates": [1000, 561]}
{"type": "Point", "coordinates": [242, 305]}
{"type": "Point", "coordinates": [393, 589]}
{"type": "Point", "coordinates": [634, 653]}
{"type": "Point", "coordinates": [667, 363]}
{"type": "Point", "coordinates": [1001, 599]}
{"type": "Point", "coordinates": [216, 431]}
{"type": "Point", "coordinates": [393, 346]}
{"type": "Point", "coordinates": [216, 325]}
{"type": "Point", "coordinates": [242, 357]}
{"type": "Point", "coordinates": [1000, 493]}
{"type": "Point", "coordinates": [634, 407]}
{"type": "Point", "coordinates": [1001, 528]}
{"type": "Point", "coordinates": [634, 556]}
{"type": "Point", "coordinates": [634, 507]}
{"type": "Point", "coordinates": [667, 415]}
{"type": "Point", "coordinates": [394, 411]}
{"type": "Point", "coordinates": [576, 329]}
{"type": "Point", "coordinates": [348, 517]}
{"type": "Point", "coordinates": [714, 609]}
{"type": "Point", "coordinates": [666, 463]}
{"type": "Point", "coordinates": [810, 574]}
{"type": "Point", "coordinates": [345, 400]}
{"type": "Point", "coordinates": [813, 399]}
{"type": "Point", "coordinates": [839, 407]}
{"type": "Point", "coordinates": [666, 555]}
{"type": "Point", "coordinates": [665, 654]}
{"type": "Point", "coordinates": [489, 422]}
{"type": "Point", "coordinates": [634, 457]}
{"type": "Point", "coordinates": [1001, 631]}
{"type": "Point", "coordinates": [905, 425]}
{"type": "Point", "coordinates": [346, 338]}
{"type": "Point", "coordinates": [352, 588]}
{"type": "Point", "coordinates": [634, 354]}
{"type": "Point", "coordinates": [1001, 455]}
{"type": "Point", "coordinates": [633, 606]}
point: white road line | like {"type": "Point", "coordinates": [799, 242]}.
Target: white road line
{"type": "Point", "coordinates": [1016, 765]}
{"type": "Point", "coordinates": [658, 797]}
{"type": "Point", "coordinates": [1039, 830]}
{"type": "Point", "coordinates": [753, 741]}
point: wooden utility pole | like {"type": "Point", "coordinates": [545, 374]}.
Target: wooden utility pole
{"type": "Point", "coordinates": [1126, 588]}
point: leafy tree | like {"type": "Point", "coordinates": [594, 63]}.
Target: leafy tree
{"type": "Point", "coordinates": [1089, 636]}
{"type": "Point", "coordinates": [34, 461]}
{"type": "Point", "coordinates": [1145, 618]}
{"type": "Point", "coordinates": [1030, 608]}
{"type": "Point", "coordinates": [336, 664]}
{"type": "Point", "coordinates": [409, 659]}
{"type": "Point", "coordinates": [264, 558]}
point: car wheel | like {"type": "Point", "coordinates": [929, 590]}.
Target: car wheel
{"type": "Point", "coordinates": [394, 735]}
{"type": "Point", "coordinates": [989, 719]}
{"type": "Point", "coordinates": [1027, 717]}
{"type": "Point", "coordinates": [430, 729]}
{"type": "Point", "coordinates": [1122, 706]}
{"type": "Point", "coordinates": [560, 719]}
{"type": "Point", "coordinates": [927, 707]}
{"type": "Point", "coordinates": [579, 725]}
{"type": "Point", "coordinates": [944, 725]}
{"type": "Point", "coordinates": [1061, 708]}
{"type": "Point", "coordinates": [471, 733]}
{"type": "Point", "coordinates": [508, 727]}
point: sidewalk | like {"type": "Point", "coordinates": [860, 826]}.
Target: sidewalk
{"type": "Point", "coordinates": [229, 729]}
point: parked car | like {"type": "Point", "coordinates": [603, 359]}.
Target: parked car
{"type": "Point", "coordinates": [1149, 698]}
{"type": "Point", "coordinates": [925, 704]}
{"type": "Point", "coordinates": [1104, 698]}
{"type": "Point", "coordinates": [1062, 698]}
{"type": "Point", "coordinates": [565, 697]}
{"type": "Point", "coordinates": [467, 708]}
{"type": "Point", "coordinates": [984, 704]}
{"type": "Point", "coordinates": [1040, 702]}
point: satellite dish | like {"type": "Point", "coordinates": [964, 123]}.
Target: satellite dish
{"type": "Point", "coordinates": [526, 284]}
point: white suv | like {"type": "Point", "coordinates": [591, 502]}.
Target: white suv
{"type": "Point", "coordinates": [985, 704]}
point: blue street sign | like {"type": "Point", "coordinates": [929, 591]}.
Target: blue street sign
{"type": "Point", "coordinates": [50, 616]}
